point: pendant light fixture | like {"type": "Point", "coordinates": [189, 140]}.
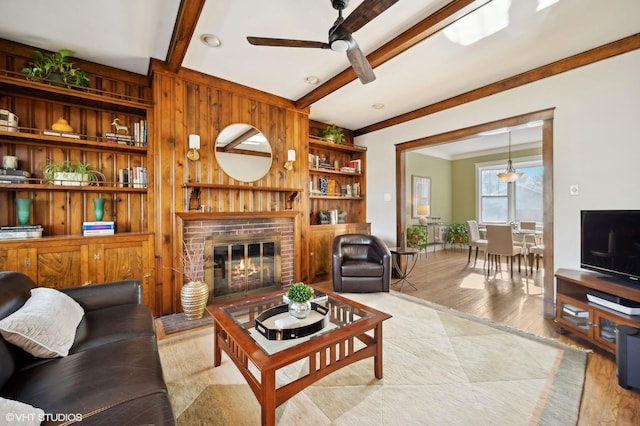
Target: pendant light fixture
{"type": "Point", "coordinates": [510, 175]}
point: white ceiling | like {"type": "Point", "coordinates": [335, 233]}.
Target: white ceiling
{"type": "Point", "coordinates": [127, 33]}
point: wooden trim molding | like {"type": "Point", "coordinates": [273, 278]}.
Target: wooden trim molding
{"type": "Point", "coordinates": [606, 51]}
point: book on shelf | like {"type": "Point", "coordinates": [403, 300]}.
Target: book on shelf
{"type": "Point", "coordinates": [98, 232]}
{"type": "Point", "coordinates": [20, 228]}
{"type": "Point", "coordinates": [15, 172]}
{"type": "Point", "coordinates": [98, 224]}
{"type": "Point", "coordinates": [61, 134]}
{"type": "Point", "coordinates": [575, 311]}
{"type": "Point", "coordinates": [133, 177]}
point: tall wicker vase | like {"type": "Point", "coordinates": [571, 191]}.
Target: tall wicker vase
{"type": "Point", "coordinates": [193, 297]}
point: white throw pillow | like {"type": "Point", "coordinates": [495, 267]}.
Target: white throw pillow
{"type": "Point", "coordinates": [19, 413]}
{"type": "Point", "coordinates": [45, 326]}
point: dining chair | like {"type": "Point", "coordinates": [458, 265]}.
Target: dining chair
{"type": "Point", "coordinates": [531, 225]}
{"type": "Point", "coordinates": [537, 251]}
{"type": "Point", "coordinates": [474, 239]}
{"type": "Point", "coordinates": [500, 243]}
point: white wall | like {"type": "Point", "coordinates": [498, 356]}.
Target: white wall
{"type": "Point", "coordinates": [596, 145]}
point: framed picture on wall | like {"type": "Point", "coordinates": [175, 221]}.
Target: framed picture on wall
{"type": "Point", "coordinates": [420, 196]}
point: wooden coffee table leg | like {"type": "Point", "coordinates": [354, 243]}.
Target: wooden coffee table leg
{"type": "Point", "coordinates": [377, 361]}
{"type": "Point", "coordinates": [268, 390]}
{"type": "Point", "coordinates": [217, 352]}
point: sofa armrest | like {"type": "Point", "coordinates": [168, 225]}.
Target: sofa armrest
{"type": "Point", "coordinates": [98, 296]}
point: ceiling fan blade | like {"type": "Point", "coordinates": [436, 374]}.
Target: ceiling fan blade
{"type": "Point", "coordinates": [365, 13]}
{"type": "Point", "coordinates": [283, 42]}
{"type": "Point", "coordinates": [360, 63]}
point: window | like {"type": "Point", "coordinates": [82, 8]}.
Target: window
{"type": "Point", "coordinates": [501, 202]}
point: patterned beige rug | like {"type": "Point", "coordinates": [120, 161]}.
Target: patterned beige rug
{"type": "Point", "coordinates": [441, 367]}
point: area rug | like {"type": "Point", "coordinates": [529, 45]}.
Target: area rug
{"type": "Point", "coordinates": [441, 367]}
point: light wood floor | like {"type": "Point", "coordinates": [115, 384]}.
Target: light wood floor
{"type": "Point", "coordinates": [445, 278]}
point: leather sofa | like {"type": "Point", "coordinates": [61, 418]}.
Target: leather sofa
{"type": "Point", "coordinates": [361, 263]}
{"type": "Point", "coordinates": [112, 373]}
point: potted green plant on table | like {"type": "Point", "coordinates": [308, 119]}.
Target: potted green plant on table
{"type": "Point", "coordinates": [457, 234]}
{"type": "Point", "coordinates": [417, 237]}
{"type": "Point", "coordinates": [334, 134]}
{"type": "Point", "coordinates": [299, 295]}
{"type": "Point", "coordinates": [55, 67]}
{"type": "Point", "coordinates": [71, 173]}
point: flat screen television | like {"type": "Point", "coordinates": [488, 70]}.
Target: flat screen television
{"type": "Point", "coordinates": [610, 243]}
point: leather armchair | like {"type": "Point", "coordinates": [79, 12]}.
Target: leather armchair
{"type": "Point", "coordinates": [361, 264]}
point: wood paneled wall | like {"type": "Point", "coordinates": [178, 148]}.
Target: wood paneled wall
{"type": "Point", "coordinates": [188, 102]}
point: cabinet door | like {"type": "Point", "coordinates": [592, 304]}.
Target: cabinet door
{"type": "Point", "coordinates": [320, 255]}
{"type": "Point", "coordinates": [605, 330]}
{"type": "Point", "coordinates": [123, 260]}
{"type": "Point", "coordinates": [9, 260]}
{"type": "Point", "coordinates": [59, 266]}
{"type": "Point", "coordinates": [574, 315]}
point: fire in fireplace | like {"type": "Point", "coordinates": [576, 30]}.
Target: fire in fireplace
{"type": "Point", "coordinates": [242, 265]}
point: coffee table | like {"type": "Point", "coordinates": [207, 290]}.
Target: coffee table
{"type": "Point", "coordinates": [353, 333]}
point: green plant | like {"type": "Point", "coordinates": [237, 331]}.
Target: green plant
{"type": "Point", "coordinates": [333, 133]}
{"type": "Point", "coordinates": [417, 237]}
{"type": "Point", "coordinates": [67, 166]}
{"type": "Point", "coordinates": [299, 292]}
{"type": "Point", "coordinates": [457, 233]}
{"type": "Point", "coordinates": [46, 65]}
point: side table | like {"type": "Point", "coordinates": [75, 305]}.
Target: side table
{"type": "Point", "coordinates": [411, 258]}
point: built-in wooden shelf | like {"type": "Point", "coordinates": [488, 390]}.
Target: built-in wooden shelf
{"type": "Point", "coordinates": [240, 187]}
{"type": "Point", "coordinates": [67, 188]}
{"type": "Point", "coordinates": [35, 137]}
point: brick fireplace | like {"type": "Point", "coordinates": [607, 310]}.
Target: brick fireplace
{"type": "Point", "coordinates": [243, 256]}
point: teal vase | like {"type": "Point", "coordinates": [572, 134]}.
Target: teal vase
{"type": "Point", "coordinates": [98, 208]}
{"type": "Point", "coordinates": [23, 210]}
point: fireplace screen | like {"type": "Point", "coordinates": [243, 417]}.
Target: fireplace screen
{"type": "Point", "coordinates": [242, 264]}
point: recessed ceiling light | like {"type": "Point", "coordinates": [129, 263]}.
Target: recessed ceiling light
{"type": "Point", "coordinates": [210, 40]}
{"type": "Point", "coordinates": [378, 105]}
{"type": "Point", "coordinates": [312, 79]}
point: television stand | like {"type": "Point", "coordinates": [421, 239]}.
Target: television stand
{"type": "Point", "coordinates": [592, 322]}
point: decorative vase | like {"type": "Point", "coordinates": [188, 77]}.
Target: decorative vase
{"type": "Point", "coordinates": [194, 296]}
{"type": "Point", "coordinates": [300, 309]}
{"type": "Point", "coordinates": [23, 210]}
{"type": "Point", "coordinates": [98, 208]}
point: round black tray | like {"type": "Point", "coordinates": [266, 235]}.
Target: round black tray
{"type": "Point", "coordinates": [291, 333]}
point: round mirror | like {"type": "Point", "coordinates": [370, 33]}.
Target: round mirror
{"type": "Point", "coordinates": [243, 152]}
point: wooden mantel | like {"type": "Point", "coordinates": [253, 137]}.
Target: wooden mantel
{"type": "Point", "coordinates": [234, 215]}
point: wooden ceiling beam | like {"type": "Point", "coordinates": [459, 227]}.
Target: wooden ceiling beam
{"type": "Point", "coordinates": [450, 13]}
{"type": "Point", "coordinates": [186, 21]}
{"type": "Point", "coordinates": [606, 51]}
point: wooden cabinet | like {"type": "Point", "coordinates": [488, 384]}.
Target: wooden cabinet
{"type": "Point", "coordinates": [336, 183]}
{"type": "Point", "coordinates": [63, 257]}
{"type": "Point", "coordinates": [320, 244]}
{"type": "Point", "coordinates": [594, 323]}
{"type": "Point", "coordinates": [333, 185]}
{"type": "Point", "coordinates": [59, 262]}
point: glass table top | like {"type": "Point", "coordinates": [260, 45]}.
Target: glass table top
{"type": "Point", "coordinates": [244, 313]}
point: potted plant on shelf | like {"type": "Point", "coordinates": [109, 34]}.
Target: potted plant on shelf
{"type": "Point", "coordinates": [195, 292]}
{"type": "Point", "coordinates": [299, 295]}
{"type": "Point", "coordinates": [334, 134]}
{"type": "Point", "coordinates": [55, 67]}
{"type": "Point", "coordinates": [457, 234]}
{"type": "Point", "coordinates": [69, 173]}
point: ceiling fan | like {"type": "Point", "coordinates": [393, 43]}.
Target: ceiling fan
{"type": "Point", "coordinates": [340, 39]}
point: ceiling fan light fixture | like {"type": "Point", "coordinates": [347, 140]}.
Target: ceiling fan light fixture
{"type": "Point", "coordinates": [211, 40]}
{"type": "Point", "coordinates": [340, 45]}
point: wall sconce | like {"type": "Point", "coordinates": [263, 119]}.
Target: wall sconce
{"type": "Point", "coordinates": [193, 153]}
{"type": "Point", "coordinates": [291, 158]}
